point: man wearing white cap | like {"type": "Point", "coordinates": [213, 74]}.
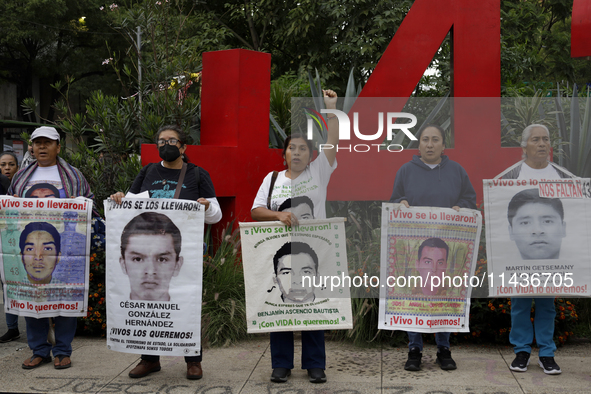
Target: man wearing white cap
{"type": "Point", "coordinates": [52, 171]}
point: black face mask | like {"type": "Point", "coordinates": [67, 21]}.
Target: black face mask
{"type": "Point", "coordinates": [169, 152]}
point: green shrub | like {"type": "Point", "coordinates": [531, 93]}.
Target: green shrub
{"type": "Point", "coordinates": [223, 315]}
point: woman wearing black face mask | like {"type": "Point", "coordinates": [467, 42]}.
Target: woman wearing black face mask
{"type": "Point", "coordinates": [161, 180]}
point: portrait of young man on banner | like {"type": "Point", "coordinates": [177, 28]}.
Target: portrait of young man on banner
{"type": "Point", "coordinates": [150, 255]}
{"type": "Point", "coordinates": [537, 238]}
{"type": "Point", "coordinates": [45, 257]}
{"type": "Point", "coordinates": [432, 262]}
{"type": "Point", "coordinates": [427, 256]}
{"type": "Point", "coordinates": [154, 276]}
{"type": "Point", "coordinates": [293, 262]}
{"type": "Point", "coordinates": [40, 252]}
{"type": "Point", "coordinates": [296, 289]}
{"type": "Point", "coordinates": [536, 225]}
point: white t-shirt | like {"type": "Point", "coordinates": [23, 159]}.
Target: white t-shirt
{"type": "Point", "coordinates": [312, 183]}
{"type": "Point", "coordinates": [548, 172]}
{"type": "Point", "coordinates": [49, 177]}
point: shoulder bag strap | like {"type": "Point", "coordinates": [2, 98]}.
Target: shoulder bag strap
{"type": "Point", "coordinates": [197, 177]}
{"type": "Point", "coordinates": [273, 179]}
{"type": "Point", "coordinates": [179, 185]}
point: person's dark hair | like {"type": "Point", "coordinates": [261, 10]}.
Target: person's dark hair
{"type": "Point", "coordinates": [182, 136]}
{"type": "Point", "coordinates": [294, 136]}
{"type": "Point", "coordinates": [294, 248]}
{"type": "Point", "coordinates": [439, 128]}
{"type": "Point", "coordinates": [531, 196]}
{"type": "Point", "coordinates": [10, 154]}
{"type": "Point", "coordinates": [295, 201]}
{"type": "Point", "coordinates": [151, 223]}
{"type": "Point", "coordinates": [49, 186]}
{"type": "Point", "coordinates": [40, 226]}
{"type": "Point", "coordinates": [434, 243]}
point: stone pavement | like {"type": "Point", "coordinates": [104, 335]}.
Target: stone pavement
{"type": "Point", "coordinates": [246, 368]}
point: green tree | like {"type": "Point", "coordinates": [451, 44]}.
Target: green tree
{"type": "Point", "coordinates": [52, 39]}
{"type": "Point", "coordinates": [332, 36]}
{"type": "Point", "coordinates": [535, 38]}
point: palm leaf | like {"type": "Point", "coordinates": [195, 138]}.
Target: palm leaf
{"type": "Point", "coordinates": [575, 130]}
{"type": "Point", "coordinates": [350, 93]}
{"type": "Point", "coordinates": [561, 123]}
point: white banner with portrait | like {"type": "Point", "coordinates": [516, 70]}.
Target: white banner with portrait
{"type": "Point", "coordinates": [154, 276]}
{"type": "Point", "coordinates": [428, 258]}
{"type": "Point", "coordinates": [289, 272]}
{"type": "Point", "coordinates": [537, 237]}
{"type": "Point", "coordinates": [45, 255]}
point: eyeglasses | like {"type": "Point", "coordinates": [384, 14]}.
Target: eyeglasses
{"type": "Point", "coordinates": [172, 141]}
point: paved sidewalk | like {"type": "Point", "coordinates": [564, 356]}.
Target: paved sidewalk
{"type": "Point", "coordinates": [246, 368]}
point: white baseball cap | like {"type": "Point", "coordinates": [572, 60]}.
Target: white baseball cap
{"type": "Point", "coordinates": [47, 132]}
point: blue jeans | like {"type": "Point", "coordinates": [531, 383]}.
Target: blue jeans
{"type": "Point", "coordinates": [313, 352]}
{"type": "Point", "coordinates": [522, 329]}
{"type": "Point", "coordinates": [37, 329]}
{"type": "Point", "coordinates": [12, 321]}
{"type": "Point", "coordinates": [415, 339]}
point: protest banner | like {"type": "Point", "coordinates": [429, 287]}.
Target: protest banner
{"type": "Point", "coordinates": [154, 276]}
{"type": "Point", "coordinates": [289, 275]}
{"type": "Point", "coordinates": [537, 237]}
{"type": "Point", "coordinates": [428, 257]}
{"type": "Point", "coordinates": [45, 255]}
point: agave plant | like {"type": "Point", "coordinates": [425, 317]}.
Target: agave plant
{"type": "Point", "coordinates": [576, 141]}
{"type": "Point", "coordinates": [278, 133]}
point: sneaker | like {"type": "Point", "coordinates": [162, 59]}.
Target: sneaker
{"type": "Point", "coordinates": [414, 360]}
{"type": "Point", "coordinates": [316, 375]}
{"type": "Point", "coordinates": [549, 365]}
{"type": "Point", "coordinates": [445, 361]}
{"type": "Point", "coordinates": [11, 335]}
{"type": "Point", "coordinates": [280, 375]}
{"type": "Point", "coordinates": [520, 363]}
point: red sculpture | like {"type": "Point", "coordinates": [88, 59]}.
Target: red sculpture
{"type": "Point", "coordinates": [235, 107]}
{"type": "Point", "coordinates": [580, 37]}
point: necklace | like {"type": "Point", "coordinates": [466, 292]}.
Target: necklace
{"type": "Point", "coordinates": [159, 174]}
